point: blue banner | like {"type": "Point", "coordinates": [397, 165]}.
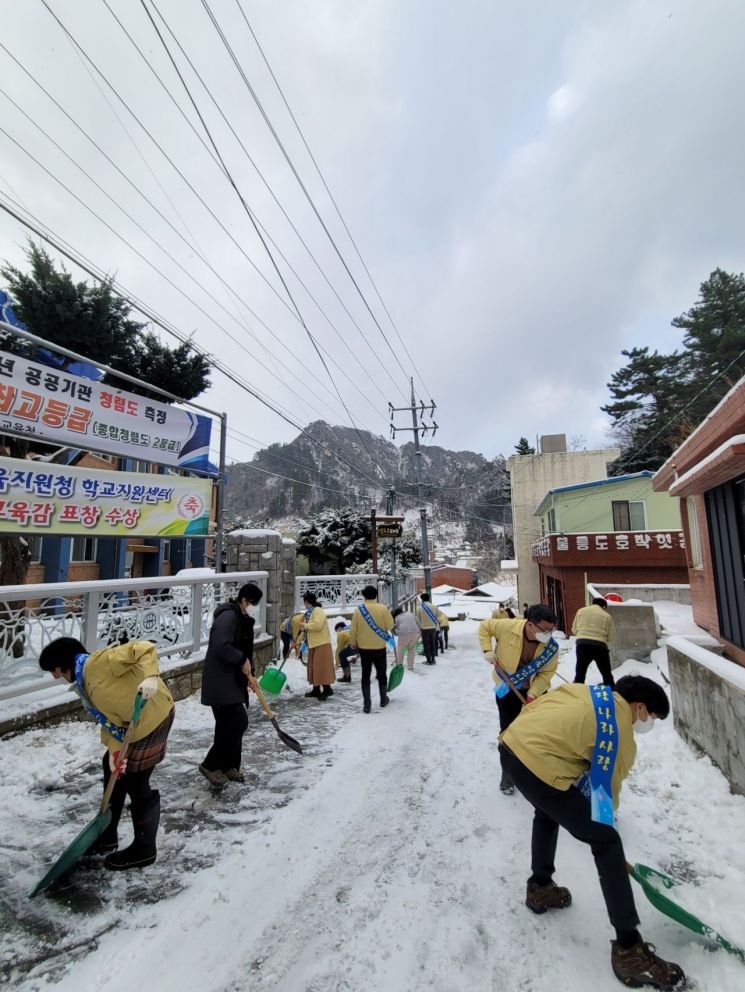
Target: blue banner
{"type": "Point", "coordinates": [604, 755]}
{"type": "Point", "coordinates": [114, 729]}
{"type": "Point", "coordinates": [432, 616]}
{"type": "Point", "coordinates": [382, 634]}
{"type": "Point", "coordinates": [527, 671]}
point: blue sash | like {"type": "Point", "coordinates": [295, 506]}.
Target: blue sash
{"type": "Point", "coordinates": [287, 626]}
{"type": "Point", "coordinates": [116, 732]}
{"type": "Point", "coordinates": [304, 642]}
{"type": "Point", "coordinates": [527, 671]}
{"type": "Point", "coordinates": [596, 786]}
{"type": "Point", "coordinates": [432, 616]}
{"type": "Point", "coordinates": [382, 634]}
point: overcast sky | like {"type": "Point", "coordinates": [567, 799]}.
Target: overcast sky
{"type": "Point", "coordinates": [533, 185]}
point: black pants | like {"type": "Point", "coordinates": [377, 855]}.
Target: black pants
{"type": "Point", "coordinates": [231, 722]}
{"type": "Point", "coordinates": [555, 808]}
{"type": "Point", "coordinates": [377, 658]}
{"type": "Point", "coordinates": [344, 658]}
{"type": "Point", "coordinates": [429, 643]}
{"type": "Point", "coordinates": [597, 651]}
{"type": "Point", "coordinates": [286, 642]}
{"type": "Point", "coordinates": [136, 785]}
{"type": "Point", "coordinates": [510, 708]}
{"type": "Point", "coordinates": [444, 631]}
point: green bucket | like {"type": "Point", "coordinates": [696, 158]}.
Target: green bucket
{"type": "Point", "coordinates": [419, 648]}
{"type": "Point", "coordinates": [273, 681]}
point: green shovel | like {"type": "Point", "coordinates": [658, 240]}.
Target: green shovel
{"type": "Point", "coordinates": [652, 882]}
{"type": "Point", "coordinates": [93, 830]}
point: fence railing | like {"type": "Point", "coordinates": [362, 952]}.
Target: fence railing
{"type": "Point", "coordinates": [173, 612]}
{"type": "Point", "coordinates": [342, 592]}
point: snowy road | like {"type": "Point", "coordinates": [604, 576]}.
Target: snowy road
{"type": "Point", "coordinates": [386, 859]}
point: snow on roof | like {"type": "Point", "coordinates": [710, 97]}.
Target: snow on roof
{"type": "Point", "coordinates": [492, 590]}
{"type": "Point", "coordinates": [508, 563]}
{"type": "Point", "coordinates": [445, 589]}
{"type": "Point", "coordinates": [699, 467]}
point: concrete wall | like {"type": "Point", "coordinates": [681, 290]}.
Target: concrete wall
{"type": "Point", "coordinates": [709, 710]}
{"type": "Point", "coordinates": [531, 476]}
{"type": "Point", "coordinates": [647, 592]}
{"type": "Point", "coordinates": [636, 633]}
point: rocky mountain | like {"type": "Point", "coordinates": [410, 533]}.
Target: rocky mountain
{"type": "Point", "coordinates": [295, 480]}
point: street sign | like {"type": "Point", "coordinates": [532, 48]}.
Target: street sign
{"type": "Point", "coordinates": [390, 530]}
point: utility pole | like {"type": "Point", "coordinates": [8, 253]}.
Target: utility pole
{"type": "Point", "coordinates": [394, 580]}
{"type": "Point", "coordinates": [418, 426]}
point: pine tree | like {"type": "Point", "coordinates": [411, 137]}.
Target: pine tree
{"type": "Point", "coordinates": [523, 447]}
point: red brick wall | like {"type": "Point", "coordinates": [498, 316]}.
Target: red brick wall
{"type": "Point", "coordinates": [449, 575]}
{"type": "Point", "coordinates": [573, 581]}
{"type": "Point", "coordinates": [82, 571]}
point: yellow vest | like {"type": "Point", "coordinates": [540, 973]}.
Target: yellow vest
{"type": "Point", "coordinates": [111, 677]}
{"type": "Point", "coordinates": [593, 623]}
{"type": "Point", "coordinates": [555, 737]}
{"type": "Point", "coordinates": [509, 637]}
{"type": "Point", "coordinates": [425, 622]}
{"type": "Point", "coordinates": [361, 633]}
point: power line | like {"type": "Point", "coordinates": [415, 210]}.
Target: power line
{"type": "Point", "coordinates": [308, 197]}
{"type": "Point", "coordinates": [259, 234]}
{"type": "Point", "coordinates": [331, 197]}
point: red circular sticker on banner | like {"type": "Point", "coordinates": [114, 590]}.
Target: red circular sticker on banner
{"type": "Point", "coordinates": [190, 506]}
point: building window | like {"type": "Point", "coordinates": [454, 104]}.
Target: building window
{"type": "Point", "coordinates": [629, 515]}
{"type": "Point", "coordinates": [552, 521]}
{"type": "Point", "coordinates": [34, 546]}
{"type": "Point", "coordinates": [694, 537]}
{"type": "Point", "coordinates": [83, 549]}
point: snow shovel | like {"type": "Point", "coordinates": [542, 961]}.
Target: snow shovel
{"type": "Point", "coordinates": [273, 680]}
{"type": "Point", "coordinates": [92, 831]}
{"type": "Point", "coordinates": [285, 738]}
{"type": "Point", "coordinates": [396, 677]}
{"type": "Point", "coordinates": [652, 882]}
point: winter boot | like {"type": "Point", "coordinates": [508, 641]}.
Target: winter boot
{"type": "Point", "coordinates": [638, 966]}
{"type": "Point", "coordinates": [327, 692]}
{"type": "Point", "coordinates": [235, 775]}
{"type": "Point", "coordinates": [314, 692]}
{"type": "Point", "coordinates": [141, 851]}
{"type": "Point", "coordinates": [384, 700]}
{"type": "Point", "coordinates": [542, 897]}
{"type": "Point", "coordinates": [214, 777]}
{"type": "Point", "coordinates": [346, 677]}
{"type": "Point", "coordinates": [505, 784]}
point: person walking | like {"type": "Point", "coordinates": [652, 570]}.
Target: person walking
{"type": "Point", "coordinates": [344, 653]}
{"type": "Point", "coordinates": [314, 632]}
{"type": "Point", "coordinates": [568, 755]}
{"type": "Point", "coordinates": [289, 632]}
{"type": "Point", "coordinates": [427, 619]}
{"type": "Point", "coordinates": [107, 682]}
{"type": "Point", "coordinates": [526, 654]}
{"type": "Point", "coordinates": [370, 632]}
{"type": "Point", "coordinates": [227, 664]}
{"type": "Point", "coordinates": [408, 633]}
{"type": "Point", "coordinates": [444, 632]}
{"type": "Point", "coordinates": [594, 629]}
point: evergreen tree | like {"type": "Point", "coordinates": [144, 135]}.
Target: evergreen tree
{"type": "Point", "coordinates": [95, 322]}
{"type": "Point", "coordinates": [523, 447]}
{"type": "Point", "coordinates": [336, 541]}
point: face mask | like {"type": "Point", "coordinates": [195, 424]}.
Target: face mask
{"type": "Point", "coordinates": [544, 636]}
{"type": "Point", "coordinates": [249, 611]}
{"type": "Point", "coordinates": [644, 726]}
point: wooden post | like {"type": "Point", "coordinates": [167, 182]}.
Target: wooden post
{"type": "Point", "coordinates": [373, 525]}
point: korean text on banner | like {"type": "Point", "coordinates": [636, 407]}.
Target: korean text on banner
{"type": "Point", "coordinates": [48, 403]}
{"type": "Point", "coordinates": [42, 498]}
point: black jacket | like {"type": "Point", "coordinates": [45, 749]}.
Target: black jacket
{"type": "Point", "coordinates": [231, 642]}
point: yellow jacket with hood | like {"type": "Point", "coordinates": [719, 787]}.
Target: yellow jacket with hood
{"type": "Point", "coordinates": [110, 679]}
{"type": "Point", "coordinates": [509, 637]}
{"type": "Point", "coordinates": [362, 634]}
{"type": "Point", "coordinates": [555, 737]}
{"type": "Point", "coordinates": [316, 629]}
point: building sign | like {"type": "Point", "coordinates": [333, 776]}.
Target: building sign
{"type": "Point", "coordinates": [41, 498]}
{"type": "Point", "coordinates": [622, 541]}
{"type": "Point", "coordinates": [390, 530]}
{"type": "Point", "coordinates": [60, 407]}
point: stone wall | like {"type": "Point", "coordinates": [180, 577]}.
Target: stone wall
{"type": "Point", "coordinates": [709, 706]}
{"type": "Point", "coordinates": [266, 551]}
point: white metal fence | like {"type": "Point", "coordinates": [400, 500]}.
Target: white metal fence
{"type": "Point", "coordinates": [342, 592]}
{"type": "Point", "coordinates": [174, 612]}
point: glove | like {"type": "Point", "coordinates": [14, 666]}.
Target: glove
{"type": "Point", "coordinates": [489, 656]}
{"type": "Point", "coordinates": [148, 687]}
{"type": "Point", "coordinates": [531, 699]}
{"type": "Point", "coordinates": [117, 768]}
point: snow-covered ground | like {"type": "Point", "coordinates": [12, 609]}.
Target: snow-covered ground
{"type": "Point", "coordinates": [384, 859]}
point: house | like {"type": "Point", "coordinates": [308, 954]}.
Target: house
{"type": "Point", "coordinates": [706, 474]}
{"type": "Point", "coordinates": [451, 575]}
{"type": "Point", "coordinates": [612, 530]}
{"type": "Point", "coordinates": [531, 476]}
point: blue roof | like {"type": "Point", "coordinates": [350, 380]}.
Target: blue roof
{"type": "Point", "coordinates": [646, 474]}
